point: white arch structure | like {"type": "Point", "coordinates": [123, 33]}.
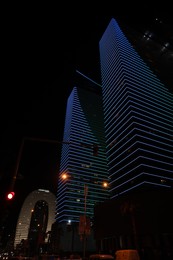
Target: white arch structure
{"type": "Point", "coordinates": [24, 219]}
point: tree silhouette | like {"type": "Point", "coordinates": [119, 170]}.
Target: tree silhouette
{"type": "Point", "coordinates": [130, 207]}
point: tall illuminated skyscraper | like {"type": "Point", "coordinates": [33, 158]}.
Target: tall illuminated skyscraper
{"type": "Point", "coordinates": [86, 171]}
{"type": "Point", "coordinates": [138, 114]}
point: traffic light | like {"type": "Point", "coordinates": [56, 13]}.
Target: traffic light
{"type": "Point", "coordinates": [95, 149]}
{"type": "Point", "coordinates": [10, 195]}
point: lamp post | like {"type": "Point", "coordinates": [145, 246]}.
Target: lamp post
{"type": "Point", "coordinates": [84, 225]}
{"type": "Point", "coordinates": [71, 228]}
{"type": "Point", "coordinates": [85, 220]}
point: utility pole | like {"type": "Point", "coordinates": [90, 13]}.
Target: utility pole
{"type": "Point", "coordinates": [85, 223]}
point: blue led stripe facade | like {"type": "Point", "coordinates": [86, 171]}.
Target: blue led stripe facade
{"type": "Point", "coordinates": [138, 114]}
{"type": "Point", "coordinates": [83, 128]}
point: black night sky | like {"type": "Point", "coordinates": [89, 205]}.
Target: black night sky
{"type": "Point", "coordinates": [41, 47]}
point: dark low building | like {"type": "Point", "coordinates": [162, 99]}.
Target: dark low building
{"type": "Point", "coordinates": [141, 220]}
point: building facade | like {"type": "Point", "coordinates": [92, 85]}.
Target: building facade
{"type": "Point", "coordinates": [129, 119]}
{"type": "Point", "coordinates": [138, 114]}
{"type": "Point", "coordinates": [35, 219]}
{"type": "Point", "coordinates": [83, 158]}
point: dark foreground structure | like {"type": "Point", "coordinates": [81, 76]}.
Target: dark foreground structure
{"type": "Point", "coordinates": [140, 220]}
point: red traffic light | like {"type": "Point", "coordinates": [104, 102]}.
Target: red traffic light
{"type": "Point", "coordinates": [10, 195]}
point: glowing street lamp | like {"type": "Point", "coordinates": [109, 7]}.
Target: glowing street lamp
{"type": "Point", "coordinates": [64, 176]}
{"type": "Point", "coordinates": [105, 184]}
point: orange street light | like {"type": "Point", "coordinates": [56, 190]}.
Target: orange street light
{"type": "Point", "coordinates": [105, 184]}
{"type": "Point", "coordinates": [64, 176]}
